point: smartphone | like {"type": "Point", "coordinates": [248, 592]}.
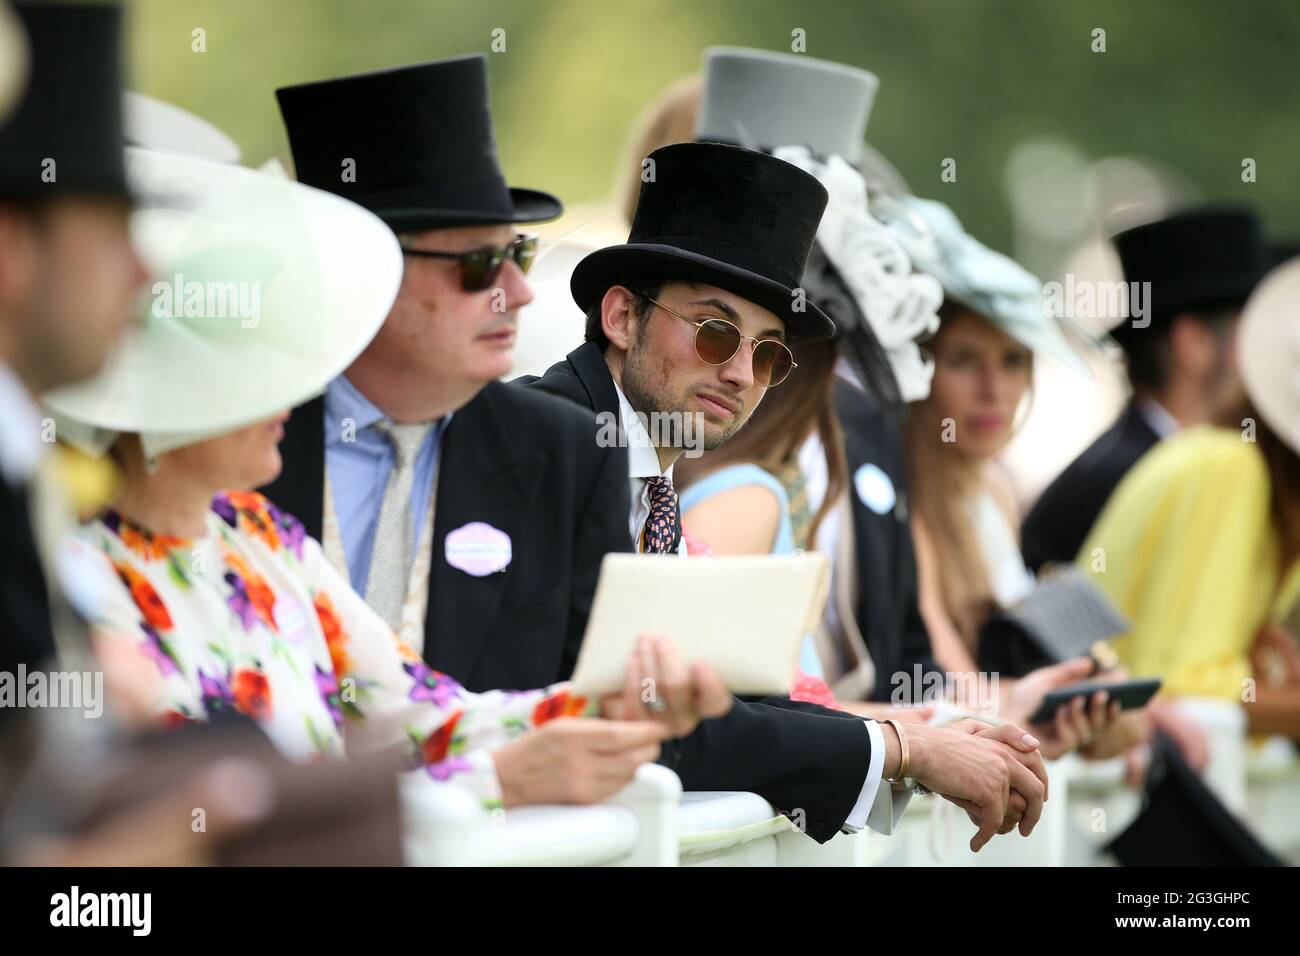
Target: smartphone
{"type": "Point", "coordinates": [1129, 693]}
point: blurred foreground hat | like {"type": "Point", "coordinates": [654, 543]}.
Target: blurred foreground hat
{"type": "Point", "coordinates": [1268, 351]}
{"type": "Point", "coordinates": [159, 125]}
{"type": "Point", "coordinates": [65, 134]}
{"type": "Point", "coordinates": [264, 291]}
{"type": "Point", "coordinates": [13, 60]}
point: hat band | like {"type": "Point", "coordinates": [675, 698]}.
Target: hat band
{"type": "Point", "coordinates": [488, 196]}
{"type": "Point", "coordinates": [726, 253]}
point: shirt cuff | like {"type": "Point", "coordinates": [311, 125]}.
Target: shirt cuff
{"type": "Point", "coordinates": [879, 805]}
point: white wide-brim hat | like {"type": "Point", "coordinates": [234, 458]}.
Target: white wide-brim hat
{"type": "Point", "coordinates": [1268, 350]}
{"type": "Point", "coordinates": [160, 125]}
{"type": "Point", "coordinates": [13, 60]}
{"type": "Point", "coordinates": [262, 291]}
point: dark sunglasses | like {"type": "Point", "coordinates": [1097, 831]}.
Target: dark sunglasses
{"type": "Point", "coordinates": [479, 268]}
{"type": "Point", "coordinates": [717, 341]}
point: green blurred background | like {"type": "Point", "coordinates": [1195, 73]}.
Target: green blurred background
{"type": "Point", "coordinates": [1194, 84]}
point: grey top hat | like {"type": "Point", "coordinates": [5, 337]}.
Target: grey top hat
{"type": "Point", "coordinates": [760, 99]}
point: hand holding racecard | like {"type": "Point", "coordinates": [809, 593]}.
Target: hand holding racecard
{"type": "Point", "coordinates": [744, 614]}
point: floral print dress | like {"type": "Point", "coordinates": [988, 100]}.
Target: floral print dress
{"type": "Point", "coordinates": [253, 618]}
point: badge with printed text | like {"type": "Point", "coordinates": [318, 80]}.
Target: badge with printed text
{"type": "Point", "coordinates": [874, 489]}
{"type": "Point", "coordinates": [478, 549]}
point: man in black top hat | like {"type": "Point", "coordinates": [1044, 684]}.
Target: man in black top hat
{"type": "Point", "coordinates": [68, 277]}
{"type": "Point", "coordinates": [689, 321]}
{"type": "Point", "coordinates": [471, 515]}
{"type": "Point", "coordinates": [1201, 266]}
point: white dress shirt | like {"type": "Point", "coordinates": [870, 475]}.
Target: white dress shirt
{"type": "Point", "coordinates": [21, 447]}
{"type": "Point", "coordinates": [878, 807]}
{"type": "Point", "coordinates": [1158, 417]}
{"type": "Point", "coordinates": [642, 463]}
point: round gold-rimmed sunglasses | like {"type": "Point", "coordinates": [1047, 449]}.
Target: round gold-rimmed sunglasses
{"type": "Point", "coordinates": [717, 341]}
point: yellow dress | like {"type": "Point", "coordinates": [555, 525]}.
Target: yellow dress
{"type": "Point", "coordinates": [1186, 550]}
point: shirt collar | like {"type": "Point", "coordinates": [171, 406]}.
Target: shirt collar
{"type": "Point", "coordinates": [343, 400]}
{"type": "Point", "coordinates": [642, 458]}
{"type": "Point", "coordinates": [1157, 416]}
{"type": "Point", "coordinates": [21, 447]}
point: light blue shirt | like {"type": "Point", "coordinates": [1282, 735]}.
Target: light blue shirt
{"type": "Point", "coordinates": [358, 459]}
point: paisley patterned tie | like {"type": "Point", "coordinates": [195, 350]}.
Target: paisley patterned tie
{"type": "Point", "coordinates": [661, 525]}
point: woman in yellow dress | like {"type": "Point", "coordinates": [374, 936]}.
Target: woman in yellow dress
{"type": "Point", "coordinates": [1199, 547]}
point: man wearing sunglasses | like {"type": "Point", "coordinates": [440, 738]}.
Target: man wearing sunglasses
{"type": "Point", "coordinates": [472, 515]}
{"type": "Point", "coordinates": [693, 316]}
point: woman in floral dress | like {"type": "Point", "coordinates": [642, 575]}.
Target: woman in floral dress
{"type": "Point", "coordinates": [226, 596]}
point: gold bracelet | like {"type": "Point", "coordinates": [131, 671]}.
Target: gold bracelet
{"type": "Point", "coordinates": [904, 760]}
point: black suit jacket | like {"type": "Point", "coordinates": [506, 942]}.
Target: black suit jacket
{"type": "Point", "coordinates": [528, 465]}
{"type": "Point", "coordinates": [583, 377]}
{"type": "Point", "coordinates": [1055, 528]}
{"type": "Point", "coordinates": [888, 612]}
{"type": "Point", "coordinates": [26, 634]}
{"type": "Point", "coordinates": [807, 761]}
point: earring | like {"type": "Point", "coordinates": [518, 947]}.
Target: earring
{"type": "Point", "coordinates": [151, 465]}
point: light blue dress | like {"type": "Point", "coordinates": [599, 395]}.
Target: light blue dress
{"type": "Point", "coordinates": [737, 476]}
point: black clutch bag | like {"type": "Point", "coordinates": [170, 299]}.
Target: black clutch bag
{"type": "Point", "coordinates": [1065, 616]}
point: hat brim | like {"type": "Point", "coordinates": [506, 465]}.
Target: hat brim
{"type": "Point", "coordinates": [13, 61]}
{"type": "Point", "coordinates": [1268, 351]}
{"type": "Point", "coordinates": [324, 273]}
{"type": "Point", "coordinates": [594, 275]}
{"type": "Point", "coordinates": [529, 205]}
{"type": "Point", "coordinates": [156, 124]}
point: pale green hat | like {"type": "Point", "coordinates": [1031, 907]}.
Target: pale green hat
{"type": "Point", "coordinates": [263, 290]}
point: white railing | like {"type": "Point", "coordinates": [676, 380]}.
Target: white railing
{"type": "Point", "coordinates": [652, 823]}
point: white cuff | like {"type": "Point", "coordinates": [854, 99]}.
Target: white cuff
{"type": "Point", "coordinates": [878, 807]}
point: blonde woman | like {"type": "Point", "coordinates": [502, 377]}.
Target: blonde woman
{"type": "Point", "coordinates": [964, 519]}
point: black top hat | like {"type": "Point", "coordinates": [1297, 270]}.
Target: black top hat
{"type": "Point", "coordinates": [71, 112]}
{"type": "Point", "coordinates": [1201, 259]}
{"type": "Point", "coordinates": [1280, 250]}
{"type": "Point", "coordinates": [735, 218]}
{"type": "Point", "coordinates": [420, 138]}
